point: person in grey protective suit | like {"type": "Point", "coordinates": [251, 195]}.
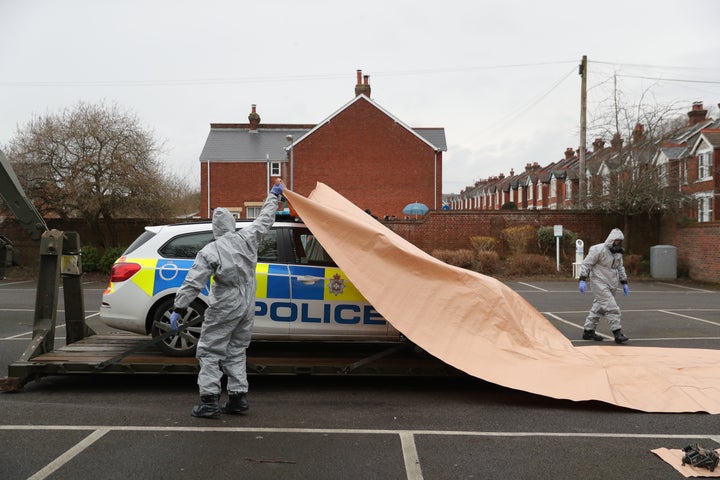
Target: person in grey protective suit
{"type": "Point", "coordinates": [231, 259]}
{"type": "Point", "coordinates": [604, 266]}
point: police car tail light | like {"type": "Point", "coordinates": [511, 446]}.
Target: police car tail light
{"type": "Point", "coordinates": [123, 270]}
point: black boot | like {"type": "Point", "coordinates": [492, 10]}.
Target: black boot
{"type": "Point", "coordinates": [591, 335]}
{"type": "Point", "coordinates": [209, 407]}
{"type": "Point", "coordinates": [619, 337]}
{"type": "Point", "coordinates": [237, 403]}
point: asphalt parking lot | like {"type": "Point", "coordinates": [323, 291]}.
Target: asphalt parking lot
{"type": "Point", "coordinates": [105, 426]}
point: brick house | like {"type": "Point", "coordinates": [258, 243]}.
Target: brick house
{"type": "Point", "coordinates": [687, 158]}
{"type": "Point", "coordinates": [364, 152]}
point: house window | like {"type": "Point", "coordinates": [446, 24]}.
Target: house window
{"type": "Point", "coordinates": [568, 190]}
{"type": "Point", "coordinates": [252, 209]}
{"type": "Point", "coordinates": [663, 174]}
{"type": "Point", "coordinates": [704, 208]}
{"type": "Point", "coordinates": [553, 187]}
{"type": "Point", "coordinates": [275, 169]}
{"type": "Point", "coordinates": [684, 171]}
{"type": "Point", "coordinates": [704, 165]}
{"type": "Point", "coordinates": [253, 212]}
{"type": "Point", "coordinates": [540, 192]}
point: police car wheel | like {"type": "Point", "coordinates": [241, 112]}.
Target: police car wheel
{"type": "Point", "coordinates": [183, 344]}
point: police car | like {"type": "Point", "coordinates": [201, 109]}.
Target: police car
{"type": "Point", "coordinates": [301, 293]}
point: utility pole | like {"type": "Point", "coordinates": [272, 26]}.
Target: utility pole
{"type": "Point", "coordinates": [583, 131]}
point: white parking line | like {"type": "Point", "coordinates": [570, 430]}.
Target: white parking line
{"type": "Point", "coordinates": [14, 283]}
{"type": "Point", "coordinates": [568, 322]}
{"type": "Point", "coordinates": [51, 467]}
{"type": "Point", "coordinates": [410, 455]}
{"type": "Point", "coordinates": [533, 286]}
{"type": "Point", "coordinates": [691, 318]}
{"type": "Point", "coordinates": [687, 288]}
{"type": "Point", "coordinates": [25, 334]}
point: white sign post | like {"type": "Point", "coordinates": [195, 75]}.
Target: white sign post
{"type": "Point", "coordinates": [558, 230]}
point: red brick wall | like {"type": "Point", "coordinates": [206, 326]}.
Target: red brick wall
{"type": "Point", "coordinates": [697, 249]}
{"type": "Point", "coordinates": [697, 245]}
{"type": "Point", "coordinates": [453, 229]}
{"type": "Point", "coordinates": [233, 184]}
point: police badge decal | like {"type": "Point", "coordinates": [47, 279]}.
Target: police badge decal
{"type": "Point", "coordinates": [336, 285]}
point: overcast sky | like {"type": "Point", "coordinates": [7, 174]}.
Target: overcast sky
{"type": "Point", "coordinates": [501, 77]}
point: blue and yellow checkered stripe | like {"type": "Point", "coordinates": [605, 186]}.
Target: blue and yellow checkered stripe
{"type": "Point", "coordinates": [273, 280]}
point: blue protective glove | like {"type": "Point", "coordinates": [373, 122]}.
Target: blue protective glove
{"type": "Point", "coordinates": [277, 190]}
{"type": "Point", "coordinates": [583, 286]}
{"type": "Point", "coordinates": [174, 317]}
{"type": "Point", "coordinates": [626, 289]}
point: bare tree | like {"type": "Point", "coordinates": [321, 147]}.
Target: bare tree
{"type": "Point", "coordinates": [96, 162]}
{"type": "Point", "coordinates": [628, 182]}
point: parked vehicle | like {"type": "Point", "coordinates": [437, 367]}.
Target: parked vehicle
{"type": "Point", "coordinates": [301, 293]}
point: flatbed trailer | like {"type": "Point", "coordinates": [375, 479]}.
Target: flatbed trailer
{"type": "Point", "coordinates": [135, 354]}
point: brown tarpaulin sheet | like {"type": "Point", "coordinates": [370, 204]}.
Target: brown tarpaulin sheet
{"type": "Point", "coordinates": [482, 327]}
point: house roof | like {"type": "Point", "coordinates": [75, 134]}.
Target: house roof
{"type": "Point", "coordinates": [433, 137]}
{"type": "Point", "coordinates": [674, 153]}
{"type": "Point", "coordinates": [235, 142]}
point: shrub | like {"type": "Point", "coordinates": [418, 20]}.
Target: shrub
{"type": "Point", "coordinates": [484, 244]}
{"type": "Point", "coordinates": [486, 263]}
{"type": "Point", "coordinates": [518, 238]}
{"type": "Point", "coordinates": [546, 241]}
{"type": "Point", "coordinates": [530, 264]}
{"type": "Point", "coordinates": [460, 258]}
{"type": "Point", "coordinates": [509, 206]}
{"type": "Point", "coordinates": [109, 257]}
{"type": "Point", "coordinates": [632, 264]}
{"type": "Point", "coordinates": [90, 258]}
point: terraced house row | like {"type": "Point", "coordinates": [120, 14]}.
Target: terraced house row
{"type": "Point", "coordinates": [685, 159]}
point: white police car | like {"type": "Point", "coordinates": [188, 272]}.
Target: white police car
{"type": "Point", "coordinates": [301, 293]}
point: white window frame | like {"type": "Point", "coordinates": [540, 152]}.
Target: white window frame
{"type": "Point", "coordinates": [275, 169]}
{"type": "Point", "coordinates": [704, 165]}
{"type": "Point", "coordinates": [568, 189]}
{"type": "Point", "coordinates": [553, 187]}
{"type": "Point", "coordinates": [704, 207]}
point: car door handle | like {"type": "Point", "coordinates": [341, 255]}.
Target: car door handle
{"type": "Point", "coordinates": [309, 279]}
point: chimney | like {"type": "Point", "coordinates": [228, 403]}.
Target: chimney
{"type": "Point", "coordinates": [528, 167]}
{"type": "Point", "coordinates": [616, 142]}
{"type": "Point", "coordinates": [696, 114]}
{"type": "Point", "coordinates": [598, 144]}
{"type": "Point", "coordinates": [254, 120]}
{"type": "Point", "coordinates": [569, 153]}
{"type": "Point", "coordinates": [638, 133]}
{"type": "Point", "coordinates": [362, 87]}
{"type": "Point", "coordinates": [501, 176]}
{"type": "Point", "coordinates": [512, 172]}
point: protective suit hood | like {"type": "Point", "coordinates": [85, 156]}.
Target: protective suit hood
{"type": "Point", "coordinates": [615, 234]}
{"type": "Point", "coordinates": [222, 222]}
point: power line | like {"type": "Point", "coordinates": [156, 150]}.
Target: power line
{"type": "Point", "coordinates": [261, 79]}
{"type": "Point", "coordinates": [663, 79]}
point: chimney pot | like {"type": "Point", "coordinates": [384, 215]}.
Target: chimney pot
{"type": "Point", "coordinates": [362, 86]}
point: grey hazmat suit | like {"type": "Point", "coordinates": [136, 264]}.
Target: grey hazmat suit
{"type": "Point", "coordinates": [231, 258]}
{"type": "Point", "coordinates": [605, 270]}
